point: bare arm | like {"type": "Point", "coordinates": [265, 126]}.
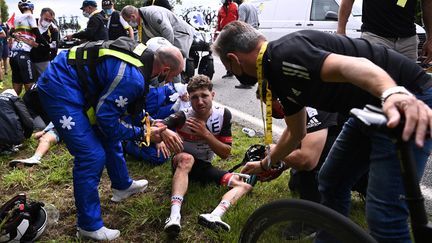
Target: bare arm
{"type": "Point", "coordinates": [358, 71]}
{"type": "Point", "coordinates": [291, 137]}
{"type": "Point", "coordinates": [427, 21]}
{"type": "Point", "coordinates": [131, 33]}
{"type": "Point", "coordinates": [366, 75]}
{"type": "Point", "coordinates": [307, 157]}
{"type": "Point", "coordinates": [343, 15]}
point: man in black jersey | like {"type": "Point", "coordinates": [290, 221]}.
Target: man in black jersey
{"type": "Point", "coordinates": [335, 73]}
{"type": "Point", "coordinates": [116, 25]}
{"type": "Point", "coordinates": [391, 23]}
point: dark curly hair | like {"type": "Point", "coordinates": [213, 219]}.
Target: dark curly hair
{"type": "Point", "coordinates": [199, 82]}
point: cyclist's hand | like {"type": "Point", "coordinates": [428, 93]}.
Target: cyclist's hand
{"type": "Point", "coordinates": [155, 135]}
{"type": "Point", "coordinates": [162, 148]}
{"type": "Point", "coordinates": [250, 168]}
{"type": "Point", "coordinates": [418, 116]}
{"type": "Point", "coordinates": [172, 140]}
{"type": "Point", "coordinates": [198, 127]}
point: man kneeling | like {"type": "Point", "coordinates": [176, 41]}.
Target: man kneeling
{"type": "Point", "coordinates": [205, 130]}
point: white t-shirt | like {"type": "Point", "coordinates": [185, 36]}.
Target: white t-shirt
{"type": "Point", "coordinates": [24, 24]}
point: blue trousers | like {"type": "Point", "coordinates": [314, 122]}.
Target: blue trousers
{"type": "Point", "coordinates": [92, 152]}
{"type": "Point", "coordinates": [147, 154]}
{"type": "Point", "coordinates": [386, 211]}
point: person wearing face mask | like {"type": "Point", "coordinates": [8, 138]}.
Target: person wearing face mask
{"type": "Point", "coordinates": [42, 55]}
{"type": "Point", "coordinates": [116, 25]}
{"type": "Point", "coordinates": [26, 35]}
{"type": "Point", "coordinates": [96, 26]}
{"type": "Point", "coordinates": [227, 13]}
{"type": "Point", "coordinates": [87, 97]}
{"type": "Point", "coordinates": [159, 105]}
{"type": "Point", "coordinates": [153, 21]}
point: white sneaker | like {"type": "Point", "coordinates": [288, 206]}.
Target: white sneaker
{"type": "Point", "coordinates": [135, 187]}
{"type": "Point", "coordinates": [213, 222]}
{"type": "Point", "coordinates": [101, 234]}
{"type": "Point", "coordinates": [26, 162]}
{"type": "Point", "coordinates": [172, 226]}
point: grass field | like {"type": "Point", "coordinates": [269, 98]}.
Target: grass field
{"type": "Point", "coordinates": [140, 218]}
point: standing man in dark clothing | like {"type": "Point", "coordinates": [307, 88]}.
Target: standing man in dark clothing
{"type": "Point", "coordinates": [391, 23]}
{"type": "Point", "coordinates": [117, 26]}
{"type": "Point", "coordinates": [160, 3]}
{"type": "Point", "coordinates": [42, 55]}
{"type": "Point", "coordinates": [96, 26]}
{"type": "Point", "coordinates": [335, 73]}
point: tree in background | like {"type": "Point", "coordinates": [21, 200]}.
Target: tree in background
{"type": "Point", "coordinates": [4, 11]}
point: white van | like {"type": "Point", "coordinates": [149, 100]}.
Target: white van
{"type": "Point", "coordinates": [281, 17]}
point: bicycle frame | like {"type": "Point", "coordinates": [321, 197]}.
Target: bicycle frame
{"type": "Point", "coordinates": [422, 229]}
{"type": "Point", "coordinates": [373, 118]}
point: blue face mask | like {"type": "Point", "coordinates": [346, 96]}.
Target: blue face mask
{"type": "Point", "coordinates": [108, 11]}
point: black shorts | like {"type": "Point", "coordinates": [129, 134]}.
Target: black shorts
{"type": "Point", "coordinates": [22, 67]}
{"type": "Point", "coordinates": [5, 50]}
{"type": "Point", "coordinates": [205, 172]}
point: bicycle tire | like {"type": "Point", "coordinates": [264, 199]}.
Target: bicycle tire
{"type": "Point", "coordinates": [296, 210]}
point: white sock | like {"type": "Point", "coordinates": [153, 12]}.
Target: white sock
{"type": "Point", "coordinates": [221, 208]}
{"type": "Point", "coordinates": [36, 156]}
{"type": "Point", "coordinates": [176, 202]}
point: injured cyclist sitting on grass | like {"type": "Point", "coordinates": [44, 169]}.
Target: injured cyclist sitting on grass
{"type": "Point", "coordinates": [206, 131]}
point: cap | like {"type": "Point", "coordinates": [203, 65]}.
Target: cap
{"type": "Point", "coordinates": [87, 3]}
{"type": "Point", "coordinates": [157, 42]}
{"type": "Point", "coordinates": [106, 3]}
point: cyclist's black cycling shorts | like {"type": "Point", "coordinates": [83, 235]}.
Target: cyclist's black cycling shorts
{"type": "Point", "coordinates": [204, 172]}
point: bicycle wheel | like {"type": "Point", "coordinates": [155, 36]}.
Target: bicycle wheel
{"type": "Point", "coordinates": [295, 220]}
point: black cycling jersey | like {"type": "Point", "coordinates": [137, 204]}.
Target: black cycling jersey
{"type": "Point", "coordinates": [317, 120]}
{"type": "Point", "coordinates": [388, 19]}
{"type": "Point", "coordinates": [292, 65]}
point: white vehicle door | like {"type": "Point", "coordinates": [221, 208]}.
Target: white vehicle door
{"type": "Point", "coordinates": [280, 17]}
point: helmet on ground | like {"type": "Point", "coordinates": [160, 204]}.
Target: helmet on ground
{"type": "Point", "coordinates": [255, 152]}
{"type": "Point", "coordinates": [21, 221]}
{"type": "Point", "coordinates": [157, 42]}
{"type": "Point", "coordinates": [87, 3]}
{"type": "Point", "coordinates": [25, 4]}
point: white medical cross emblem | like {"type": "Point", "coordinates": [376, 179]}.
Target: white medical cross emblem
{"type": "Point", "coordinates": [121, 102]}
{"type": "Point", "coordinates": [67, 122]}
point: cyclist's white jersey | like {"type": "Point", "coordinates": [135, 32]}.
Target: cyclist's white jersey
{"type": "Point", "coordinates": [215, 124]}
{"type": "Point", "coordinates": [24, 24]}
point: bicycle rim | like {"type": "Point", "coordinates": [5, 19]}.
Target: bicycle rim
{"type": "Point", "coordinates": [295, 220]}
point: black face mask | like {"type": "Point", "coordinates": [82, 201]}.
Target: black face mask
{"type": "Point", "coordinates": [246, 79]}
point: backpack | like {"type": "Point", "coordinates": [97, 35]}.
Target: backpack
{"type": "Point", "coordinates": [91, 53]}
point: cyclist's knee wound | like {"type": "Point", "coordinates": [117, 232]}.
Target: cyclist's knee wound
{"type": "Point", "coordinates": [227, 179]}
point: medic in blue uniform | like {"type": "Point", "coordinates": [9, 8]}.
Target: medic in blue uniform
{"type": "Point", "coordinates": [97, 146]}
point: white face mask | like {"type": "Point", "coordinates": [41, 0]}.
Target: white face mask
{"type": "Point", "coordinates": [85, 14]}
{"type": "Point", "coordinates": [45, 24]}
{"type": "Point", "coordinates": [133, 23]}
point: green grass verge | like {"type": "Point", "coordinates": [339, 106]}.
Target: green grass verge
{"type": "Point", "coordinates": [140, 218]}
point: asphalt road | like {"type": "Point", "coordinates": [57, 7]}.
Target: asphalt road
{"type": "Point", "coordinates": [247, 112]}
